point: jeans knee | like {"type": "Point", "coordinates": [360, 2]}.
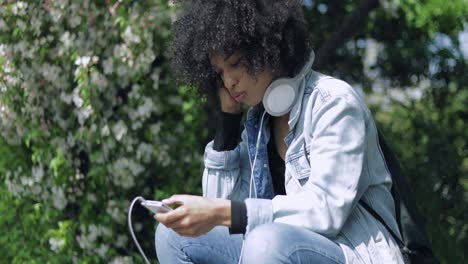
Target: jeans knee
{"type": "Point", "coordinates": [281, 243]}
{"type": "Point", "coordinates": [164, 241]}
{"type": "Point", "coordinates": [162, 234]}
{"type": "Point", "coordinates": [264, 244]}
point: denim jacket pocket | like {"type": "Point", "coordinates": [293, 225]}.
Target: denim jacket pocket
{"type": "Point", "coordinates": [300, 166]}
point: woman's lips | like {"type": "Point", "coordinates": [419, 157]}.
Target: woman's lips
{"type": "Point", "coordinates": [239, 98]}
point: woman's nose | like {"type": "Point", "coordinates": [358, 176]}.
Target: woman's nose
{"type": "Point", "coordinates": [229, 81]}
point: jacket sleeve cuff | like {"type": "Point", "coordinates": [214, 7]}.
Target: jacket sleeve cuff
{"type": "Point", "coordinates": [238, 218]}
{"type": "Point", "coordinates": [259, 212]}
{"type": "Point", "coordinates": [221, 160]}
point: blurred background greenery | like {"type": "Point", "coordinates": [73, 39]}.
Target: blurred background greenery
{"type": "Point", "coordinates": [90, 116]}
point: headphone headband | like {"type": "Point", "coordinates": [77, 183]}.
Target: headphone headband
{"type": "Point", "coordinates": [306, 67]}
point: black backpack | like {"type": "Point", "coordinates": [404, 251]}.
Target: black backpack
{"type": "Point", "coordinates": [415, 246]}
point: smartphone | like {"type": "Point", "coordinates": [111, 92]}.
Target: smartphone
{"type": "Point", "coordinates": [156, 206]}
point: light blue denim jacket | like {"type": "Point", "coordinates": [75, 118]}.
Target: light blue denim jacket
{"type": "Point", "coordinates": [331, 122]}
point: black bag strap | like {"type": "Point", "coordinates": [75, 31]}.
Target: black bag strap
{"type": "Point", "coordinates": [401, 244]}
{"type": "Point", "coordinates": [403, 200]}
{"type": "Point", "coordinates": [380, 219]}
{"type": "Point", "coordinates": [413, 230]}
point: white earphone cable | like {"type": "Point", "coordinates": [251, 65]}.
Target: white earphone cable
{"type": "Point", "coordinates": [252, 176]}
{"type": "Point", "coordinates": [141, 199]}
{"type": "Point", "coordinates": [255, 158]}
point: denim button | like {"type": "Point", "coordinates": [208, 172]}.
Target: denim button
{"type": "Point", "coordinates": [264, 165]}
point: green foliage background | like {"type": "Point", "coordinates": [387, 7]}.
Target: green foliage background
{"type": "Point", "coordinates": [90, 117]}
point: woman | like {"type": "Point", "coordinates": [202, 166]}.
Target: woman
{"type": "Point", "coordinates": [307, 155]}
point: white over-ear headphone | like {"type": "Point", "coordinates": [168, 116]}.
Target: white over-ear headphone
{"type": "Point", "coordinates": [281, 95]}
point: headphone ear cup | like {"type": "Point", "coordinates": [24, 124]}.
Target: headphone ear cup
{"type": "Point", "coordinates": [280, 96]}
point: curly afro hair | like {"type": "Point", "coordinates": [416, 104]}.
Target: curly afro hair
{"type": "Point", "coordinates": [270, 34]}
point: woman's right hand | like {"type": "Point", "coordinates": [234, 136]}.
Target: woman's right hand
{"type": "Point", "coordinates": [228, 104]}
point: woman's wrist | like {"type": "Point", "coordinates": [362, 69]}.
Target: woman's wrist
{"type": "Point", "coordinates": [223, 212]}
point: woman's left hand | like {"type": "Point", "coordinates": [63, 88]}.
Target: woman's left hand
{"type": "Point", "coordinates": [195, 215]}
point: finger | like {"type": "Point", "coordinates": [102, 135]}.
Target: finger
{"type": "Point", "coordinates": [183, 223]}
{"type": "Point", "coordinates": [171, 224]}
{"type": "Point", "coordinates": [172, 216]}
{"type": "Point", "coordinates": [165, 218]}
{"type": "Point", "coordinates": [177, 199]}
{"type": "Point", "coordinates": [170, 202]}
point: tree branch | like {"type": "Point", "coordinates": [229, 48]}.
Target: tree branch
{"type": "Point", "coordinates": [348, 29]}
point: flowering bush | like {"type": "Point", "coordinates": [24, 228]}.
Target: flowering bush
{"type": "Point", "coordinates": [88, 119]}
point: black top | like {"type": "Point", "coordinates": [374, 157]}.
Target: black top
{"type": "Point", "coordinates": [276, 164]}
{"type": "Point", "coordinates": [227, 137]}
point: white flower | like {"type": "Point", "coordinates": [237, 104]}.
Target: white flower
{"type": "Point", "coordinates": [116, 214]}
{"type": "Point", "coordinates": [102, 250]}
{"type": "Point", "coordinates": [71, 139]}
{"type": "Point", "coordinates": [156, 128]}
{"type": "Point", "coordinates": [26, 181]}
{"type": "Point", "coordinates": [99, 80]}
{"type": "Point", "coordinates": [78, 175]}
{"type": "Point", "coordinates": [108, 65]}
{"type": "Point", "coordinates": [121, 241]}
{"type": "Point", "coordinates": [20, 24]}
{"type": "Point", "coordinates": [51, 73]}
{"type": "Point", "coordinates": [119, 130]}
{"type": "Point", "coordinates": [93, 232]}
{"type": "Point", "coordinates": [36, 189]}
{"type": "Point", "coordinates": [146, 108]}
{"type": "Point", "coordinates": [58, 196]}
{"type": "Point", "coordinates": [144, 152]}
{"type": "Point", "coordinates": [84, 113]}
{"type": "Point", "coordinates": [37, 173]}
{"type": "Point", "coordinates": [67, 40]}
{"type": "Point", "coordinates": [36, 24]}
{"type": "Point", "coordinates": [56, 14]}
{"type": "Point", "coordinates": [56, 244]}
{"type": "Point", "coordinates": [122, 51]}
{"type": "Point", "coordinates": [124, 171]}
{"type": "Point", "coordinates": [122, 70]}
{"type": "Point", "coordinates": [18, 8]}
{"type": "Point", "coordinates": [122, 260]}
{"type": "Point", "coordinates": [83, 61]}
{"type": "Point", "coordinates": [84, 242]}
{"type": "Point", "coordinates": [92, 197]}
{"type": "Point", "coordinates": [3, 47]}
{"type": "Point", "coordinates": [74, 20]}
{"type": "Point", "coordinates": [67, 98]}
{"type": "Point", "coordinates": [105, 231]}
{"type": "Point", "coordinates": [105, 131]}
{"type": "Point", "coordinates": [77, 98]}
{"type": "Point", "coordinates": [130, 37]}
{"type": "Point", "coordinates": [3, 26]}
{"type": "Point", "coordinates": [14, 188]}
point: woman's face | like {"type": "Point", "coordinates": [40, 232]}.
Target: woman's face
{"type": "Point", "coordinates": [243, 87]}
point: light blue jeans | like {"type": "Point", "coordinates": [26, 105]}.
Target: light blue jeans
{"type": "Point", "coordinates": [269, 243]}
